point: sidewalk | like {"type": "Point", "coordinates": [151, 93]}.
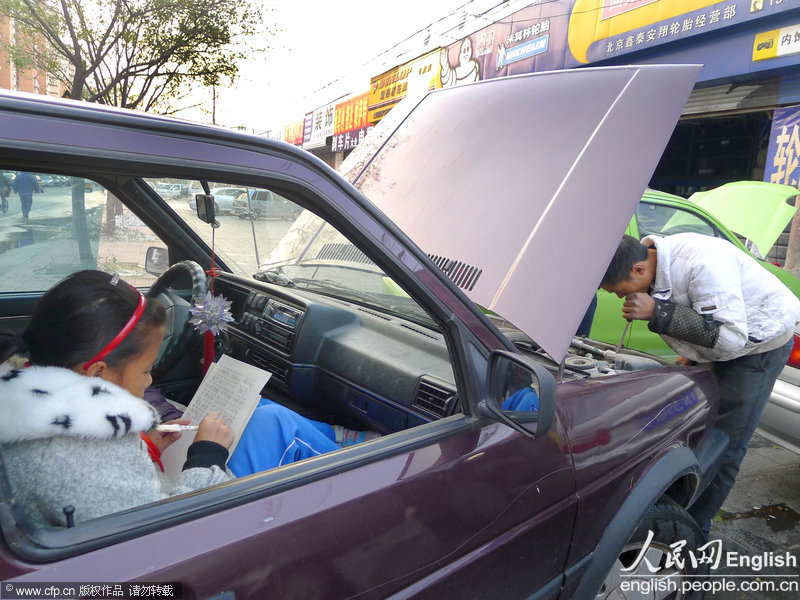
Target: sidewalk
{"type": "Point", "coordinates": [762, 514]}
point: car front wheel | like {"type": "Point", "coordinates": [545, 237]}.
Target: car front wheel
{"type": "Point", "coordinates": [658, 566]}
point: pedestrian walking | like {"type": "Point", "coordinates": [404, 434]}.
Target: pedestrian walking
{"type": "Point", "coordinates": [25, 184]}
{"type": "Point", "coordinates": [711, 303]}
{"type": "Point", "coordinates": [5, 191]}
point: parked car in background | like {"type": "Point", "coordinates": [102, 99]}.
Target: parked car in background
{"type": "Point", "coordinates": [750, 215]}
{"type": "Point", "coordinates": [461, 496]}
{"type": "Point", "coordinates": [224, 199]}
{"type": "Point", "coordinates": [265, 204]}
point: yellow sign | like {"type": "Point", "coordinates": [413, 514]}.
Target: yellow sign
{"type": "Point", "coordinates": [595, 20]}
{"type": "Point", "coordinates": [776, 43]}
{"type": "Point", "coordinates": [389, 88]}
{"type": "Point", "coordinates": [766, 45]}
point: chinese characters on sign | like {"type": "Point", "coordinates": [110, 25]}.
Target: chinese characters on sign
{"type": "Point", "coordinates": [678, 27]}
{"type": "Point", "coordinates": [350, 123]}
{"type": "Point", "coordinates": [389, 88]}
{"type": "Point", "coordinates": [783, 155]}
{"type": "Point", "coordinates": [776, 43]}
{"type": "Point", "coordinates": [321, 127]}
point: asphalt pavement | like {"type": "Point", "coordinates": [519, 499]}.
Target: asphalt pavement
{"type": "Point", "coordinates": [762, 515]}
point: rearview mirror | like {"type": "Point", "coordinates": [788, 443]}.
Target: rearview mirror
{"type": "Point", "coordinates": [156, 261]}
{"type": "Point", "coordinates": [521, 391]}
{"type": "Point", "coordinates": [205, 208]}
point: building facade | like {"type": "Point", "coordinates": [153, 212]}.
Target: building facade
{"type": "Point", "coordinates": [33, 81]}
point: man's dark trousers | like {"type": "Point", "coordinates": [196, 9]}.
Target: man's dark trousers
{"type": "Point", "coordinates": [26, 200]}
{"type": "Point", "coordinates": [745, 385]}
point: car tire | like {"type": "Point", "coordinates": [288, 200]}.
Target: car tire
{"type": "Point", "coordinates": [670, 524]}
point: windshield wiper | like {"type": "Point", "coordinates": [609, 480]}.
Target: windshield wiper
{"type": "Point", "coordinates": [333, 287]}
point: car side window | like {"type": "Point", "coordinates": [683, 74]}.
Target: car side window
{"type": "Point", "coordinates": [52, 226]}
{"type": "Point", "coordinates": [661, 219]}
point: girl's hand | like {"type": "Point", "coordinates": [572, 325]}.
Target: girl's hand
{"type": "Point", "coordinates": [164, 439]}
{"type": "Point", "coordinates": [213, 429]}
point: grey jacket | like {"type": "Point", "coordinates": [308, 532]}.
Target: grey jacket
{"type": "Point", "coordinates": [67, 440]}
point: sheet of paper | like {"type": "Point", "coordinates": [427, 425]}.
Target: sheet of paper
{"type": "Point", "coordinates": [232, 388]}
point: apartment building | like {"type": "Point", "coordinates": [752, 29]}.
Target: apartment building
{"type": "Point", "coordinates": [25, 80]}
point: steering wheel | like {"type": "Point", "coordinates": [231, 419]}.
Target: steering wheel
{"type": "Point", "coordinates": [178, 331]}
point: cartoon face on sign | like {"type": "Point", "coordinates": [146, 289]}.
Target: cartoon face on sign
{"type": "Point", "coordinates": [467, 70]}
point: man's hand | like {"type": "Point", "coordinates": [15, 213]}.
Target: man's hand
{"type": "Point", "coordinates": [639, 306]}
{"type": "Point", "coordinates": [164, 439]}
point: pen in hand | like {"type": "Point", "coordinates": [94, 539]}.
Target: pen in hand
{"type": "Point", "coordinates": [175, 427]}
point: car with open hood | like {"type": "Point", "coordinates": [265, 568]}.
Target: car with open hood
{"type": "Point", "coordinates": [363, 326]}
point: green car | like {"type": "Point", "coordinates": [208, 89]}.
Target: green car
{"type": "Point", "coordinates": [757, 211]}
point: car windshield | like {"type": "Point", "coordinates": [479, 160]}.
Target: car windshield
{"type": "Point", "coordinates": [266, 236]}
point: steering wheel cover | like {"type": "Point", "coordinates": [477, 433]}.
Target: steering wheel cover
{"type": "Point", "coordinates": [182, 333]}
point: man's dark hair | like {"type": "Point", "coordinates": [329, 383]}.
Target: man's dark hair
{"type": "Point", "coordinates": [629, 252]}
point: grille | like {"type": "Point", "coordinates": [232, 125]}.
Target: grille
{"type": "Point", "coordinates": [346, 252]}
{"type": "Point", "coordinates": [433, 399]}
{"type": "Point", "coordinates": [463, 275]}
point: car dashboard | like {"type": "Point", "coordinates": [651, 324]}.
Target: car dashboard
{"type": "Point", "coordinates": [334, 360]}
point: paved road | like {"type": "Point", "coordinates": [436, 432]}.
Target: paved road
{"type": "Point", "coordinates": [762, 514]}
{"type": "Point", "coordinates": [236, 239]}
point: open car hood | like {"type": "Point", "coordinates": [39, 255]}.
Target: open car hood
{"type": "Point", "coordinates": [756, 210]}
{"type": "Point", "coordinates": [520, 188]}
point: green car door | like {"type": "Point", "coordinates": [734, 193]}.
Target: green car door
{"type": "Point", "coordinates": [764, 207]}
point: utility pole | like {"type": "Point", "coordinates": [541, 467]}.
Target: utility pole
{"type": "Point", "coordinates": [213, 105]}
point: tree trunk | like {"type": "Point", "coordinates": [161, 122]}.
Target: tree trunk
{"type": "Point", "coordinates": [79, 225]}
{"type": "Point", "coordinates": [78, 83]}
{"type": "Point", "coordinates": [113, 210]}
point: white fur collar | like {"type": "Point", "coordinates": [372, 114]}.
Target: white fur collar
{"type": "Point", "coordinates": [42, 402]}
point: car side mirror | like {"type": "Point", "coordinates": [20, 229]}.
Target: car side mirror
{"type": "Point", "coordinates": [205, 208]}
{"type": "Point", "coordinates": [521, 392]}
{"type": "Point", "coordinates": [156, 261]}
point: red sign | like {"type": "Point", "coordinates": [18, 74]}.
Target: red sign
{"type": "Point", "coordinates": [293, 133]}
{"type": "Point", "coordinates": [351, 114]}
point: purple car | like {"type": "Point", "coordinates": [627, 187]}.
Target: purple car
{"type": "Point", "coordinates": [507, 199]}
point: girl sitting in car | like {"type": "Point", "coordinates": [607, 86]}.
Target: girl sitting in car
{"type": "Point", "coordinates": [77, 439]}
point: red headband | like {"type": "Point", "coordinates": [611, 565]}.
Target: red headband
{"type": "Point", "coordinates": [120, 337]}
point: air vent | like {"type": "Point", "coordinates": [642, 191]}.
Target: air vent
{"type": "Point", "coordinates": [433, 398]}
{"type": "Point", "coordinates": [346, 252]}
{"type": "Point", "coordinates": [463, 275]}
{"type": "Point", "coordinates": [279, 370]}
{"type": "Point", "coordinates": [276, 336]}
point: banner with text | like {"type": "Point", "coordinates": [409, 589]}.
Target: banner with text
{"type": "Point", "coordinates": [783, 153]}
{"type": "Point", "coordinates": [389, 88]}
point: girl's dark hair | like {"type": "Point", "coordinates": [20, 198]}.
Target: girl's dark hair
{"type": "Point", "coordinates": [75, 319]}
{"type": "Point", "coordinates": [629, 252]}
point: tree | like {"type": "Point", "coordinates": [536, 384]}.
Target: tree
{"type": "Point", "coordinates": [139, 54]}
